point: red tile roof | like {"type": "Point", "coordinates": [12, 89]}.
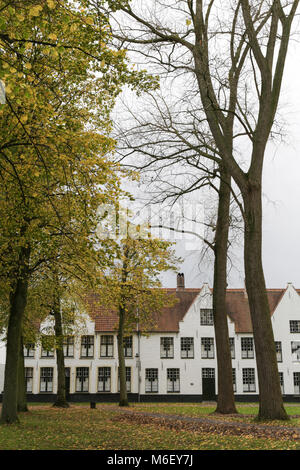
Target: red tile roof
{"type": "Point", "coordinates": [238, 307]}
{"type": "Point", "coordinates": [168, 320]}
{"type": "Point", "coordinates": [106, 320]}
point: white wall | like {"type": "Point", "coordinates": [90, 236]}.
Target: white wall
{"type": "Point", "coordinates": [190, 369]}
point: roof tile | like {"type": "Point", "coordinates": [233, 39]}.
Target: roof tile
{"type": "Point", "coordinates": [106, 320]}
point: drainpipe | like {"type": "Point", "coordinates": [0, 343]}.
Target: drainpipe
{"type": "Point", "coordinates": [139, 367]}
{"type": "Point", "coordinates": [138, 362]}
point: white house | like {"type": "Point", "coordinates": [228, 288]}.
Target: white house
{"type": "Point", "coordinates": [175, 361]}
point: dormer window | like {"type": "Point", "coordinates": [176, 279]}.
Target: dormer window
{"type": "Point", "coordinates": [87, 346]}
{"type": "Point", "coordinates": [187, 348]}
{"type": "Point", "coordinates": [29, 350]}
{"type": "Point", "coordinates": [295, 351]}
{"type": "Point", "coordinates": [294, 326]}
{"type": "Point", "coordinates": [247, 346]}
{"type": "Point", "coordinates": [47, 346]}
{"type": "Point", "coordinates": [166, 347]}
{"type": "Point", "coordinates": [206, 316]}
{"type": "Point", "coordinates": [68, 346]}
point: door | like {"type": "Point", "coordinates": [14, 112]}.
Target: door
{"type": "Point", "coordinates": [208, 389]}
{"type": "Point", "coordinates": [208, 384]}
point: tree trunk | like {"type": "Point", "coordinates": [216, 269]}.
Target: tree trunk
{"type": "Point", "coordinates": [18, 300]}
{"type": "Point", "coordinates": [270, 397]}
{"type": "Point", "coordinates": [122, 369]}
{"type": "Point", "coordinates": [22, 399]}
{"type": "Point", "coordinates": [61, 400]}
{"type": "Point", "coordinates": [225, 403]}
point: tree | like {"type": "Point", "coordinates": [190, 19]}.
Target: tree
{"type": "Point", "coordinates": [235, 59]}
{"type": "Point", "coordinates": [21, 399]}
{"type": "Point", "coordinates": [55, 310]}
{"type": "Point", "coordinates": [55, 169]}
{"type": "Point", "coordinates": [131, 287]}
{"type": "Point", "coordinates": [61, 400]}
{"type": "Point", "coordinates": [168, 144]}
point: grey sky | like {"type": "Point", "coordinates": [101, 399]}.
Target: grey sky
{"type": "Point", "coordinates": [281, 209]}
{"type": "Point", "coordinates": [281, 188]}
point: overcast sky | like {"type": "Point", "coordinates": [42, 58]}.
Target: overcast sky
{"type": "Point", "coordinates": [281, 188]}
{"type": "Point", "coordinates": [281, 212]}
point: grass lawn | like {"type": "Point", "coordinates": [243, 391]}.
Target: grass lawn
{"type": "Point", "coordinates": [79, 427]}
{"type": "Point", "coordinates": [247, 411]}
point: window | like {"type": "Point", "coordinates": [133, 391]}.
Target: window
{"type": "Point", "coordinates": [208, 373]}
{"type": "Point", "coordinates": [207, 348]}
{"type": "Point", "coordinates": [68, 346]}
{"type": "Point", "coordinates": [167, 347]}
{"type": "Point", "coordinates": [127, 377]}
{"type": "Point", "coordinates": [29, 350]}
{"type": "Point", "coordinates": [247, 348]}
{"type": "Point", "coordinates": [87, 346]}
{"type": "Point", "coordinates": [107, 346]}
{"type": "Point", "coordinates": [232, 348]}
{"type": "Point", "coordinates": [127, 342]}
{"type": "Point", "coordinates": [295, 350]}
{"type": "Point", "coordinates": [173, 381]}
{"type": "Point", "coordinates": [294, 326]}
{"type": "Point", "coordinates": [187, 348]}
{"type": "Point", "coordinates": [249, 380]}
{"type": "Point", "coordinates": [278, 351]}
{"type": "Point", "coordinates": [104, 379]}
{"type": "Point", "coordinates": [46, 379]}
{"type": "Point", "coordinates": [281, 382]}
{"type": "Point", "coordinates": [206, 316]}
{"type": "Point", "coordinates": [234, 380]}
{"type": "Point", "coordinates": [28, 379]}
{"type": "Point", "coordinates": [297, 383]}
{"type": "Point", "coordinates": [151, 380]}
{"type": "Point", "coordinates": [82, 379]}
{"type": "Point", "coordinates": [47, 346]}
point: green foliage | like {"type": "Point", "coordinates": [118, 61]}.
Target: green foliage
{"type": "Point", "coordinates": [56, 165]}
{"type": "Point", "coordinates": [131, 284]}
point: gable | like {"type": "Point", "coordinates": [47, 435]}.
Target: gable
{"type": "Point", "coordinates": [237, 309]}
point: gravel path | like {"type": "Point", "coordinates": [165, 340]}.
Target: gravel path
{"type": "Point", "coordinates": [207, 424]}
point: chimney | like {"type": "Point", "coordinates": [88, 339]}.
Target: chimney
{"type": "Point", "coordinates": [180, 281]}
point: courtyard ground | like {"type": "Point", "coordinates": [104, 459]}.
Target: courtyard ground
{"type": "Point", "coordinates": [149, 427]}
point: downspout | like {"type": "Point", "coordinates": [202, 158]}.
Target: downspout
{"type": "Point", "coordinates": [138, 356]}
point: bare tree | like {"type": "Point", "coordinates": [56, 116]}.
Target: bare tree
{"type": "Point", "coordinates": [168, 144]}
{"type": "Point", "coordinates": [235, 52]}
